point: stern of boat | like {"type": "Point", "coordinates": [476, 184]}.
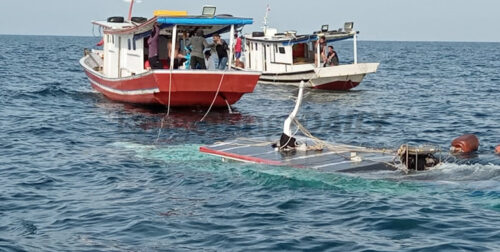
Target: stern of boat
{"type": "Point", "coordinates": [342, 77]}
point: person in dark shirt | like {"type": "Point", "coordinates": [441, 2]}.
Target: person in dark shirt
{"type": "Point", "coordinates": [154, 60]}
{"type": "Point", "coordinates": [332, 59]}
{"type": "Point", "coordinates": [221, 47]}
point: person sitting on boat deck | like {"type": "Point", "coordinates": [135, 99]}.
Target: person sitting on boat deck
{"type": "Point", "coordinates": [332, 59]}
{"type": "Point", "coordinates": [154, 60]}
{"type": "Point", "coordinates": [237, 48]}
{"type": "Point", "coordinates": [221, 47]}
{"type": "Point", "coordinates": [322, 53]}
{"type": "Point", "coordinates": [198, 44]}
{"type": "Point", "coordinates": [209, 61]}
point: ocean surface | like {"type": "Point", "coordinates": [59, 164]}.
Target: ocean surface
{"type": "Point", "coordinates": [79, 172]}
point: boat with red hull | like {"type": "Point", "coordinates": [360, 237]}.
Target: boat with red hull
{"type": "Point", "coordinates": [119, 72]}
{"type": "Point", "coordinates": [189, 88]}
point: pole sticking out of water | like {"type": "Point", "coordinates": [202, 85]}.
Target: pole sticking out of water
{"type": "Point", "coordinates": [287, 127]}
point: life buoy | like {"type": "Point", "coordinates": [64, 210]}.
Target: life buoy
{"type": "Point", "coordinates": [497, 150]}
{"type": "Point", "coordinates": [116, 19]}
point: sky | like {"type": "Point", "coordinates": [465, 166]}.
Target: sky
{"type": "Point", "coordinates": [385, 20]}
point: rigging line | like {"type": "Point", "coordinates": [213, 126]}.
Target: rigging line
{"type": "Point", "coordinates": [159, 130]}
{"type": "Point", "coordinates": [215, 97]}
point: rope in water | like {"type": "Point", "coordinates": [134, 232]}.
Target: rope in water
{"type": "Point", "coordinates": [215, 97]}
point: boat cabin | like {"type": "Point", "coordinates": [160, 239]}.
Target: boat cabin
{"type": "Point", "coordinates": [270, 51]}
{"type": "Point", "coordinates": [125, 47]}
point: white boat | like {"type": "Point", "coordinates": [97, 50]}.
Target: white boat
{"type": "Point", "coordinates": [287, 59]}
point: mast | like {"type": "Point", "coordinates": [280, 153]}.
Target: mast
{"type": "Point", "coordinates": [268, 9]}
{"type": "Point", "coordinates": [130, 10]}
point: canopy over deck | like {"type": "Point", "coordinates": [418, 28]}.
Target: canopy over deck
{"type": "Point", "coordinates": [209, 25]}
{"type": "Point", "coordinates": [299, 39]}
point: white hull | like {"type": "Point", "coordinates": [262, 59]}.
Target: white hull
{"type": "Point", "coordinates": [343, 77]}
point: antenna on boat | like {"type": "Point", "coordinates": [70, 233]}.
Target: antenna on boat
{"type": "Point", "coordinates": [268, 9]}
{"type": "Point", "coordinates": [130, 10]}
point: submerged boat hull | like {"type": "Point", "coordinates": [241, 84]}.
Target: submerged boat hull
{"type": "Point", "coordinates": [181, 87]}
{"type": "Point", "coordinates": [344, 158]}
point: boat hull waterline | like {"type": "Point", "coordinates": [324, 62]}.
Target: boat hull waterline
{"type": "Point", "coordinates": [335, 78]}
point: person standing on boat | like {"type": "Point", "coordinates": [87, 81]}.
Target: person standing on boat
{"type": "Point", "coordinates": [198, 45]}
{"type": "Point", "coordinates": [221, 47]}
{"type": "Point", "coordinates": [322, 53]}
{"type": "Point", "coordinates": [237, 49]}
{"type": "Point", "coordinates": [154, 60]}
{"type": "Point", "coordinates": [332, 59]}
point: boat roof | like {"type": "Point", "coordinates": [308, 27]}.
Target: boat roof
{"type": "Point", "coordinates": [292, 39]}
{"type": "Point", "coordinates": [209, 24]}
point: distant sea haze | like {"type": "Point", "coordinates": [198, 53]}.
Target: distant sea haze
{"type": "Point", "coordinates": [79, 172]}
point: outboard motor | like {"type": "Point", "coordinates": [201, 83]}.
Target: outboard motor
{"type": "Point", "coordinates": [418, 158]}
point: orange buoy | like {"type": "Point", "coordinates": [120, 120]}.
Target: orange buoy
{"type": "Point", "coordinates": [497, 149]}
{"type": "Point", "coordinates": [466, 143]}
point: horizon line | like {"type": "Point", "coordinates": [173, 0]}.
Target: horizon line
{"type": "Point", "coordinates": [368, 40]}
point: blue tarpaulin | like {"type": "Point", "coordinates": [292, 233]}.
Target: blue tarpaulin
{"type": "Point", "coordinates": [205, 20]}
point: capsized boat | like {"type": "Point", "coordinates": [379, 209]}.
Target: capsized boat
{"type": "Point", "coordinates": [309, 152]}
{"type": "Point", "coordinates": [119, 71]}
{"type": "Point", "coordinates": [288, 58]}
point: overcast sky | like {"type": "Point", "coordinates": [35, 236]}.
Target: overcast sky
{"type": "Point", "coordinates": [402, 20]}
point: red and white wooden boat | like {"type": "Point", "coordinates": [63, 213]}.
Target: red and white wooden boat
{"type": "Point", "coordinates": [118, 70]}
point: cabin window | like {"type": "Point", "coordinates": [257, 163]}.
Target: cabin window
{"type": "Point", "coordinates": [129, 45]}
{"type": "Point", "coordinates": [256, 46]}
{"type": "Point", "coordinates": [113, 39]}
{"type": "Point", "coordinates": [282, 50]}
{"type": "Point", "coordinates": [134, 46]}
{"type": "Point", "coordinates": [276, 48]}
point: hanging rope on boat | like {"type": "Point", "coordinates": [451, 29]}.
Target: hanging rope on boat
{"type": "Point", "coordinates": [341, 148]}
{"type": "Point", "coordinates": [215, 97]}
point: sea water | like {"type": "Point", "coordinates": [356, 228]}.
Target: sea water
{"type": "Point", "coordinates": [79, 172]}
